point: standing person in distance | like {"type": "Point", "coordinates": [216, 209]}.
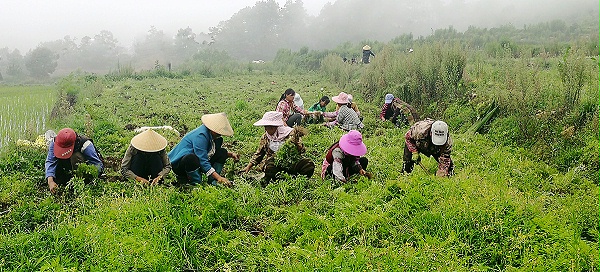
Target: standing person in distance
{"type": "Point", "coordinates": [367, 54]}
{"type": "Point", "coordinates": [65, 152]}
{"type": "Point", "coordinates": [146, 159]}
{"type": "Point", "coordinates": [200, 152]}
{"type": "Point", "coordinates": [431, 138]}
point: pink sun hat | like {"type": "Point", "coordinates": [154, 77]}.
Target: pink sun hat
{"type": "Point", "coordinates": [352, 144]}
{"type": "Point", "coordinates": [270, 118]}
{"type": "Point", "coordinates": [341, 98]}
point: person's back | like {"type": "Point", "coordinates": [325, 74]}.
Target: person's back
{"type": "Point", "coordinates": [403, 112]}
{"type": "Point", "coordinates": [348, 119]}
{"type": "Point", "coordinates": [431, 138]}
{"type": "Point", "coordinates": [367, 54]}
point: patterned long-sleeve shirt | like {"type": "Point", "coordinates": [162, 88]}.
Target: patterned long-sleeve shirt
{"type": "Point", "coordinates": [348, 119]}
{"type": "Point", "coordinates": [386, 113]}
{"type": "Point", "coordinates": [418, 139]}
{"type": "Point", "coordinates": [287, 108]}
{"type": "Point", "coordinates": [264, 152]}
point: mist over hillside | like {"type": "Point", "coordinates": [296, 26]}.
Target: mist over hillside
{"type": "Point", "coordinates": [259, 31]}
{"type": "Point", "coordinates": [355, 20]}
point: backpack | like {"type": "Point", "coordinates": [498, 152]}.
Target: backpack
{"type": "Point", "coordinates": [82, 143]}
{"type": "Point", "coordinates": [421, 130]}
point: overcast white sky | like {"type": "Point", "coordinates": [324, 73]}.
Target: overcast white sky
{"type": "Point", "coordinates": [26, 23]}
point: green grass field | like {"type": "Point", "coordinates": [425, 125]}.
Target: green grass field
{"type": "Point", "coordinates": [503, 209]}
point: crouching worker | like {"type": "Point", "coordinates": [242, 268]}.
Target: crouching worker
{"type": "Point", "coordinates": [344, 158]}
{"type": "Point", "coordinates": [347, 118]}
{"type": "Point", "coordinates": [146, 160]}
{"type": "Point", "coordinates": [398, 111]}
{"type": "Point", "coordinates": [430, 138]}
{"type": "Point", "coordinates": [274, 140]}
{"type": "Point", "coordinates": [65, 152]}
{"type": "Point", "coordinates": [315, 112]}
{"type": "Point", "coordinates": [200, 152]}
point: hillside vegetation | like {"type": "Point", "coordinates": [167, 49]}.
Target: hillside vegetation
{"type": "Point", "coordinates": [524, 195]}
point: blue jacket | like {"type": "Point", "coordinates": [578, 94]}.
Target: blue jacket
{"type": "Point", "coordinates": [89, 153]}
{"type": "Point", "coordinates": [199, 142]}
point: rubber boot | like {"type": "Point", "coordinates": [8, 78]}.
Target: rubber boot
{"type": "Point", "coordinates": [194, 177]}
{"type": "Point", "coordinates": [218, 168]}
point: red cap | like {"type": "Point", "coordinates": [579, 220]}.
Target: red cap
{"type": "Point", "coordinates": [64, 143]}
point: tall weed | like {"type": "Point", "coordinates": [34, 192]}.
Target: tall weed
{"type": "Point", "coordinates": [572, 75]}
{"type": "Point", "coordinates": [432, 74]}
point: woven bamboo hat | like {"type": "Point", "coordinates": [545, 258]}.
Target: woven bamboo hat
{"type": "Point", "coordinates": [366, 47]}
{"type": "Point", "coordinates": [149, 141]}
{"type": "Point", "coordinates": [218, 123]}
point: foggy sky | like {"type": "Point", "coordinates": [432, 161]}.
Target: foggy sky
{"type": "Point", "coordinates": [24, 24]}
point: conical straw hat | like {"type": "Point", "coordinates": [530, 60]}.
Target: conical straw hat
{"type": "Point", "coordinates": [149, 141]}
{"type": "Point", "coordinates": [218, 123]}
{"type": "Point", "coordinates": [366, 47]}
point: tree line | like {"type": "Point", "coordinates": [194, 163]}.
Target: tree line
{"type": "Point", "coordinates": [267, 31]}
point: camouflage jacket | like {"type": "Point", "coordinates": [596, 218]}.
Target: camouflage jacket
{"type": "Point", "coordinates": [418, 139]}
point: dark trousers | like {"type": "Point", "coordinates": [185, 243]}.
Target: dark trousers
{"type": "Point", "coordinates": [409, 164]}
{"type": "Point", "coordinates": [349, 168]}
{"type": "Point", "coordinates": [191, 162]}
{"type": "Point", "coordinates": [294, 120]}
{"type": "Point", "coordinates": [65, 167]}
{"type": "Point", "coordinates": [146, 164]}
{"type": "Point", "coordinates": [304, 167]}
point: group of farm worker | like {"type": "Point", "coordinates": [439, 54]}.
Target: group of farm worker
{"type": "Point", "coordinates": [200, 153]}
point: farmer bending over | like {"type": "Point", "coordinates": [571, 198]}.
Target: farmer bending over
{"type": "Point", "coordinates": [275, 136]}
{"type": "Point", "coordinates": [65, 152]}
{"type": "Point", "coordinates": [398, 111]}
{"type": "Point", "coordinates": [146, 160]}
{"type": "Point", "coordinates": [315, 112]}
{"type": "Point", "coordinates": [431, 138]}
{"type": "Point", "coordinates": [344, 158]}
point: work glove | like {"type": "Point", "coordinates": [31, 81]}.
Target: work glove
{"type": "Point", "coordinates": [416, 157]}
